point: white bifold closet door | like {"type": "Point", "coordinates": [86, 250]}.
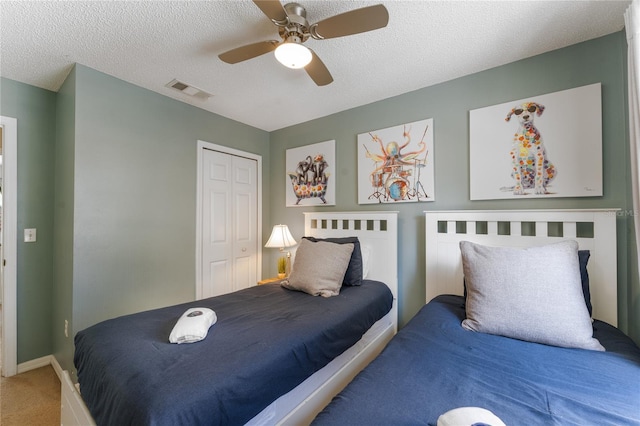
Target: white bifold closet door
{"type": "Point", "coordinates": [229, 223]}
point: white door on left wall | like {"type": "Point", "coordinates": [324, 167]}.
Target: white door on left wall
{"type": "Point", "coordinates": [229, 223]}
{"type": "Point", "coordinates": [8, 261]}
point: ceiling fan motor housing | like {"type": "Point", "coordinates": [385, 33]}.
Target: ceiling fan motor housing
{"type": "Point", "coordinates": [297, 24]}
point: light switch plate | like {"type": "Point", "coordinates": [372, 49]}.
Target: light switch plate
{"type": "Point", "coordinates": [30, 235]}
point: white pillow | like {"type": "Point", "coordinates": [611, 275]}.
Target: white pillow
{"type": "Point", "coordinates": [366, 257]}
{"type": "Point", "coordinates": [532, 294]}
{"type": "Point", "coordinates": [319, 268]}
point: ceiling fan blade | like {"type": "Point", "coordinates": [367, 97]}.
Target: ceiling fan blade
{"type": "Point", "coordinates": [352, 22]}
{"type": "Point", "coordinates": [318, 71]}
{"type": "Point", "coordinates": [273, 9]}
{"type": "Point", "coordinates": [249, 51]}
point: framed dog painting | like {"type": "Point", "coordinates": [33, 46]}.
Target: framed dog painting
{"type": "Point", "coordinates": [310, 179]}
{"type": "Point", "coordinates": [396, 164]}
{"type": "Point", "coordinates": [539, 147]}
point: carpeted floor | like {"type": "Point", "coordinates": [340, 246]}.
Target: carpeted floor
{"type": "Point", "coordinates": [31, 398]}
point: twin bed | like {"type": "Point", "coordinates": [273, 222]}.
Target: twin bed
{"type": "Point", "coordinates": [273, 356]}
{"type": "Point", "coordinates": [433, 365]}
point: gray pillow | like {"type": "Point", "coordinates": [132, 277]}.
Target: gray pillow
{"type": "Point", "coordinates": [532, 294]}
{"type": "Point", "coordinates": [353, 276]}
{"type": "Point", "coordinates": [319, 268]}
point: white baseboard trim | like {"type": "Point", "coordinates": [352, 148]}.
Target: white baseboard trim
{"type": "Point", "coordinates": [56, 367]}
{"type": "Point", "coordinates": [34, 363]}
{"type": "Point", "coordinates": [41, 362]}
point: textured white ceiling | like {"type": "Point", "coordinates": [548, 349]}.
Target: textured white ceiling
{"type": "Point", "coordinates": [149, 43]}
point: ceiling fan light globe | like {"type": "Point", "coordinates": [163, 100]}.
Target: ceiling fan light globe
{"type": "Point", "coordinates": [293, 55]}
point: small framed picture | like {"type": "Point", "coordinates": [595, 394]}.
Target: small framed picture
{"type": "Point", "coordinates": [311, 179]}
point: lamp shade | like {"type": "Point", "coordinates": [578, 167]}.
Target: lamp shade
{"type": "Point", "coordinates": [293, 55]}
{"type": "Point", "coordinates": [280, 237]}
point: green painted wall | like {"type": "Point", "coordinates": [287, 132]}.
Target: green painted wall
{"type": "Point", "coordinates": [35, 111]}
{"type": "Point", "coordinates": [600, 60]}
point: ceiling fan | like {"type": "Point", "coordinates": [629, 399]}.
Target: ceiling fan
{"type": "Point", "coordinates": [294, 30]}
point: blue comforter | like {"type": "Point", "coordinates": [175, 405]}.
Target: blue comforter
{"type": "Point", "coordinates": [267, 341]}
{"type": "Point", "coordinates": [433, 365]}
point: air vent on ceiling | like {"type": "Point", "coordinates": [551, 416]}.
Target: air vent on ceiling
{"type": "Point", "coordinates": [188, 89]}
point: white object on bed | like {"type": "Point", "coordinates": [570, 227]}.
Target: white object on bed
{"type": "Point", "coordinates": [193, 325]}
{"type": "Point", "coordinates": [593, 229]}
{"type": "Point", "coordinates": [379, 232]}
{"type": "Point", "coordinates": [469, 416]}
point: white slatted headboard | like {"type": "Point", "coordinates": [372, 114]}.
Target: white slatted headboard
{"type": "Point", "coordinates": [376, 230]}
{"type": "Point", "coordinates": [594, 230]}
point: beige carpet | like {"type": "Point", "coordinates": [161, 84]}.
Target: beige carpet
{"type": "Point", "coordinates": [31, 398]}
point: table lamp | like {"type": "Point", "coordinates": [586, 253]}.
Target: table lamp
{"type": "Point", "coordinates": [281, 238]}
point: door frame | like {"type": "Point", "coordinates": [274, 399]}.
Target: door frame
{"type": "Point", "coordinates": [8, 268]}
{"type": "Point", "coordinates": [202, 145]}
